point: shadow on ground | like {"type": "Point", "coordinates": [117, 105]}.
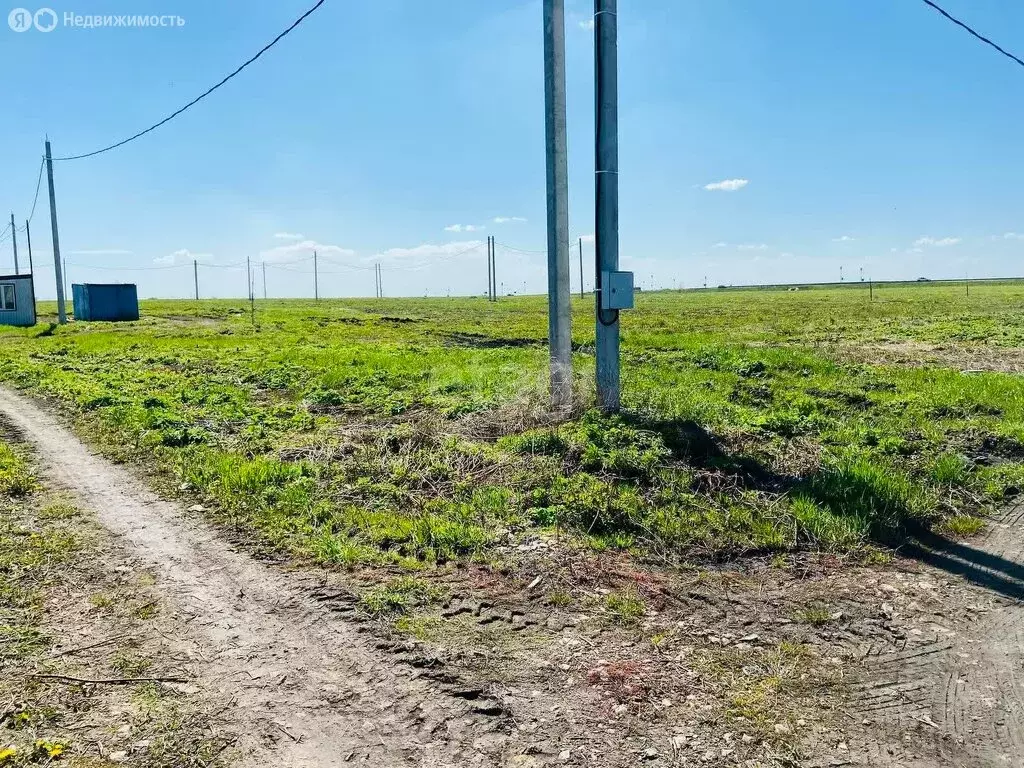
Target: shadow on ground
{"type": "Point", "coordinates": [975, 565]}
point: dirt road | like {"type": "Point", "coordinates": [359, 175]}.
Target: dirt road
{"type": "Point", "coordinates": [309, 689]}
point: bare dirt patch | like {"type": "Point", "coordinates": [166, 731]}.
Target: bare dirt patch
{"type": "Point", "coordinates": [964, 357]}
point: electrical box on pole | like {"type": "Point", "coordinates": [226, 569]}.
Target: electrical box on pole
{"type": "Point", "coordinates": [616, 290]}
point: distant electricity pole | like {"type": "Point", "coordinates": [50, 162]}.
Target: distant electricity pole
{"type": "Point", "coordinates": [195, 274]}
{"type": "Point", "coordinates": [264, 281]}
{"type": "Point", "coordinates": [28, 240]}
{"type": "Point", "coordinates": [316, 279]}
{"type": "Point", "coordinates": [581, 268]}
{"type": "Point", "coordinates": [840, 274]}
{"type": "Point", "coordinates": [62, 316]}
{"type": "Point", "coordinates": [607, 204]}
{"type": "Point", "coordinates": [490, 274]}
{"type": "Point", "coordinates": [14, 242]}
{"type": "Point", "coordinates": [559, 317]}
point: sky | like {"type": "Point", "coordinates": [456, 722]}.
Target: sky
{"type": "Point", "coordinates": [760, 141]}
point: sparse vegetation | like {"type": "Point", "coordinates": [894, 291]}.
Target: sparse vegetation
{"type": "Point", "coordinates": [389, 433]}
{"type": "Point", "coordinates": [47, 559]}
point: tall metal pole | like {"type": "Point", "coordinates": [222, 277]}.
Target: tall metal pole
{"type": "Point", "coordinates": [248, 278]}
{"type": "Point", "coordinates": [581, 268]}
{"type": "Point", "coordinates": [607, 196]}
{"type": "Point", "coordinates": [316, 279]}
{"type": "Point", "coordinates": [62, 316]}
{"type": "Point", "coordinates": [264, 281]}
{"type": "Point", "coordinates": [494, 270]}
{"type": "Point", "coordinates": [14, 242]}
{"type": "Point", "coordinates": [28, 239]}
{"type": "Point", "coordinates": [559, 318]}
{"type": "Point", "coordinates": [195, 274]}
{"type": "Point", "coordinates": [489, 283]}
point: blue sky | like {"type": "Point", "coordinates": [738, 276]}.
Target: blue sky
{"type": "Point", "coordinates": [870, 135]}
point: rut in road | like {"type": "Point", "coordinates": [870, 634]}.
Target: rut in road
{"type": "Point", "coordinates": [308, 688]}
{"type": "Point", "coordinates": [954, 694]}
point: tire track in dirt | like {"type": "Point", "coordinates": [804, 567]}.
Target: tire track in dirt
{"type": "Point", "coordinates": [308, 688]}
{"type": "Point", "coordinates": [955, 701]}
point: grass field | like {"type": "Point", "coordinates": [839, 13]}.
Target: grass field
{"type": "Point", "coordinates": [412, 431]}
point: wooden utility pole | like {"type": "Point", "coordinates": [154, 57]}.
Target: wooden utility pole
{"type": "Point", "coordinates": [28, 240]}
{"type": "Point", "coordinates": [62, 316]}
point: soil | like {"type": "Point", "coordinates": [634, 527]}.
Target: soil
{"type": "Point", "coordinates": [820, 663]}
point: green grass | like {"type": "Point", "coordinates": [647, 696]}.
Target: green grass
{"type": "Point", "coordinates": [408, 432]}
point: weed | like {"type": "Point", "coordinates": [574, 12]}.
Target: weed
{"type": "Point", "coordinates": [625, 609]}
{"type": "Point", "coordinates": [400, 595]}
{"type": "Point", "coordinates": [815, 615]}
{"type": "Point", "coordinates": [962, 526]}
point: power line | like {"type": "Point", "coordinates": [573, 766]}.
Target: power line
{"type": "Point", "coordinates": [202, 96]}
{"type": "Point", "coordinates": [981, 37]}
{"type": "Point", "coordinates": [35, 198]}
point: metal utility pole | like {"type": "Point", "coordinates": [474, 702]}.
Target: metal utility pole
{"type": "Point", "coordinates": [62, 316]}
{"type": "Point", "coordinates": [607, 197]}
{"type": "Point", "coordinates": [264, 281]}
{"type": "Point", "coordinates": [248, 277]}
{"type": "Point", "coordinates": [28, 239]}
{"type": "Point", "coordinates": [316, 279]}
{"type": "Point", "coordinates": [581, 268]}
{"type": "Point", "coordinates": [195, 275]}
{"type": "Point", "coordinates": [488, 267]}
{"type": "Point", "coordinates": [14, 242]}
{"type": "Point", "coordinates": [494, 269]}
{"type": "Point", "coordinates": [559, 318]}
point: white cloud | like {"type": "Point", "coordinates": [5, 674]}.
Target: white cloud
{"type": "Point", "coordinates": [507, 219]}
{"type": "Point", "coordinates": [753, 247]}
{"type": "Point", "coordinates": [587, 24]}
{"type": "Point", "coordinates": [288, 236]}
{"type": "Point", "coordinates": [428, 254]}
{"type": "Point", "coordinates": [302, 249]}
{"type": "Point", "coordinates": [1010, 236]}
{"type": "Point", "coordinates": [589, 239]}
{"type": "Point", "coordinates": [182, 256]}
{"type": "Point", "coordinates": [728, 185]}
{"type": "Point", "coordinates": [102, 252]}
{"type": "Point", "coordinates": [464, 228]}
{"type": "Point", "coordinates": [720, 245]}
{"type": "Point", "coordinates": [843, 239]}
{"type": "Point", "coordinates": [931, 242]}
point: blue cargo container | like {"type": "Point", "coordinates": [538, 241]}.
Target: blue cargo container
{"type": "Point", "coordinates": [17, 300]}
{"type": "Point", "coordinates": [111, 302]}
